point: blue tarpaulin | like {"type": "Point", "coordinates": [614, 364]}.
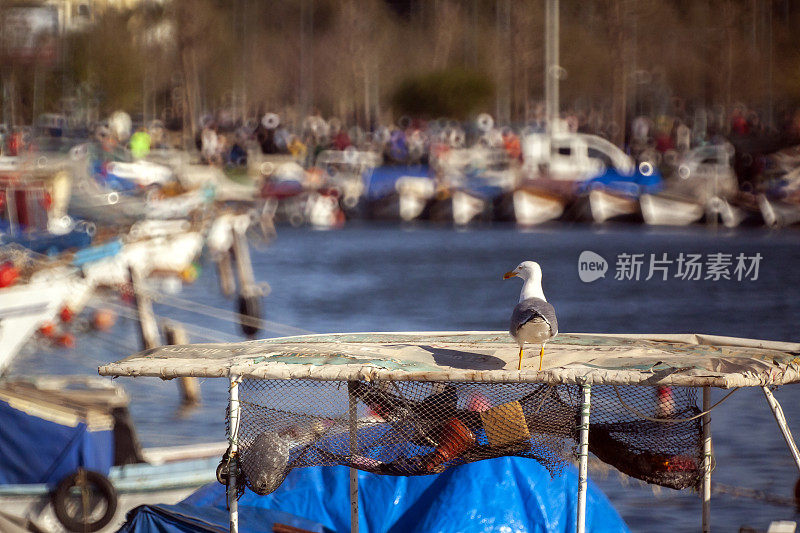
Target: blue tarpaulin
{"type": "Point", "coordinates": [507, 494]}
{"type": "Point", "coordinates": [633, 185]}
{"type": "Point", "coordinates": [40, 446]}
{"type": "Point", "coordinates": [187, 518]}
{"type": "Point", "coordinates": [43, 242]}
{"type": "Point", "coordinates": [382, 179]}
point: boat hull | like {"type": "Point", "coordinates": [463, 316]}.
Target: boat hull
{"type": "Point", "coordinates": [533, 207]}
{"type": "Point", "coordinates": [665, 211]}
{"type": "Point", "coordinates": [136, 484]}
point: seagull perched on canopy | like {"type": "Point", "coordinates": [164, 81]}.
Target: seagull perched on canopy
{"type": "Point", "coordinates": [533, 319]}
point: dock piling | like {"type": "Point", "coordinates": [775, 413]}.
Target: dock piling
{"type": "Point", "coordinates": [188, 386]}
{"type": "Point", "coordinates": [227, 282]}
{"type": "Point", "coordinates": [148, 329]}
{"type": "Point", "coordinates": [249, 301]}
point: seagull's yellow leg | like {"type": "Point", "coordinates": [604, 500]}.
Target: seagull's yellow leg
{"type": "Point", "coordinates": [541, 356]}
{"type": "Point", "coordinates": [520, 358]}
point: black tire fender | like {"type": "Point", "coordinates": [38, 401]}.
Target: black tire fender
{"type": "Point", "coordinates": [250, 306]}
{"type": "Point", "coordinates": [84, 480]}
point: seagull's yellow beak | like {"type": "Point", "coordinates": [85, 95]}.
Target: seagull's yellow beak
{"type": "Point", "coordinates": [509, 275]}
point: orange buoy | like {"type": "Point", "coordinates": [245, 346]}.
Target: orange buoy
{"type": "Point", "coordinates": [8, 274]}
{"type": "Point", "coordinates": [47, 329]}
{"type": "Point", "coordinates": [67, 340]}
{"type": "Point", "coordinates": [104, 319]}
{"type": "Point", "coordinates": [190, 273]}
{"type": "Point", "coordinates": [66, 314]}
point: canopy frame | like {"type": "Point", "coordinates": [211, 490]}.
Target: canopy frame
{"type": "Point", "coordinates": [691, 360]}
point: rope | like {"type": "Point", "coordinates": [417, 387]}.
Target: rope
{"type": "Point", "coordinates": [668, 420]}
{"type": "Point", "coordinates": [753, 494]}
{"type": "Point", "coordinates": [203, 333]}
{"type": "Point", "coordinates": [224, 314]}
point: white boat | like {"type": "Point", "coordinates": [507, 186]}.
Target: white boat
{"type": "Point", "coordinates": [704, 184]}
{"type": "Point", "coordinates": [474, 178]}
{"type": "Point", "coordinates": [459, 207]}
{"type": "Point", "coordinates": [345, 170]}
{"type": "Point", "coordinates": [722, 210]}
{"type": "Point", "coordinates": [778, 214]}
{"type": "Point", "coordinates": [665, 210]}
{"type": "Point", "coordinates": [467, 206]}
{"type": "Point", "coordinates": [533, 206]}
{"type": "Point", "coordinates": [165, 248]}
{"type": "Point", "coordinates": [606, 205]}
{"type": "Point", "coordinates": [25, 307]}
{"type": "Point", "coordinates": [566, 159]}
{"type": "Point", "coordinates": [74, 431]}
{"type": "Point", "coordinates": [572, 156]}
{"type": "Point", "coordinates": [323, 211]}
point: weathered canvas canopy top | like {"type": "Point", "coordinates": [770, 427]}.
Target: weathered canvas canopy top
{"type": "Point", "coordinates": [692, 360]}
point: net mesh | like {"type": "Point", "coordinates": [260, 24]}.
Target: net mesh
{"type": "Point", "coordinates": [418, 428]}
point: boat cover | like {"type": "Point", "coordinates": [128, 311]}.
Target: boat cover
{"type": "Point", "coordinates": [497, 495]}
{"type": "Point", "coordinates": [381, 181]}
{"type": "Point", "coordinates": [688, 360]}
{"type": "Point", "coordinates": [633, 185]}
{"type": "Point", "coordinates": [43, 443]}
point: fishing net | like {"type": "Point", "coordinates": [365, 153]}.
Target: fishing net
{"type": "Point", "coordinates": [418, 428]}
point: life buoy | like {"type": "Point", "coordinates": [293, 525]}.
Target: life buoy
{"type": "Point", "coordinates": [84, 501]}
{"type": "Point", "coordinates": [485, 122]}
{"type": "Point", "coordinates": [270, 121]}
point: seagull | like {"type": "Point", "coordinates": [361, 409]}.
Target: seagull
{"type": "Point", "coordinates": [533, 319]}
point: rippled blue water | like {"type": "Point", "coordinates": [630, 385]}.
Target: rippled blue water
{"type": "Point", "coordinates": [390, 278]}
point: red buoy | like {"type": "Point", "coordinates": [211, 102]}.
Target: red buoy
{"type": "Point", "coordinates": [8, 274]}
{"type": "Point", "coordinates": [47, 329]}
{"type": "Point", "coordinates": [66, 314]}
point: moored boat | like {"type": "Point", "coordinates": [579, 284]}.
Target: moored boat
{"type": "Point", "coordinates": [669, 210]}
{"type": "Point", "coordinates": [71, 459]}
{"type": "Point", "coordinates": [778, 214]}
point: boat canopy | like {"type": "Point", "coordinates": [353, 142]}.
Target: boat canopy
{"type": "Point", "coordinates": [524, 497]}
{"type": "Point", "coordinates": [690, 360]}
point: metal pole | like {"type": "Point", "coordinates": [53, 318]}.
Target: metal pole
{"type": "Point", "coordinates": [583, 457]}
{"type": "Point", "coordinates": [353, 472]}
{"type": "Point", "coordinates": [707, 458]}
{"type": "Point", "coordinates": [777, 411]}
{"type": "Point", "coordinates": [234, 416]}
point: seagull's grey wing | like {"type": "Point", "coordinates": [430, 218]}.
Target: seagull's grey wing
{"type": "Point", "coordinates": [533, 309]}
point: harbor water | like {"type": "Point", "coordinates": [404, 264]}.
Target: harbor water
{"type": "Point", "coordinates": [417, 278]}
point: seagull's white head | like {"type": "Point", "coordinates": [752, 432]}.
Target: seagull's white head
{"type": "Point", "coordinates": [531, 273]}
{"type": "Point", "coordinates": [526, 270]}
